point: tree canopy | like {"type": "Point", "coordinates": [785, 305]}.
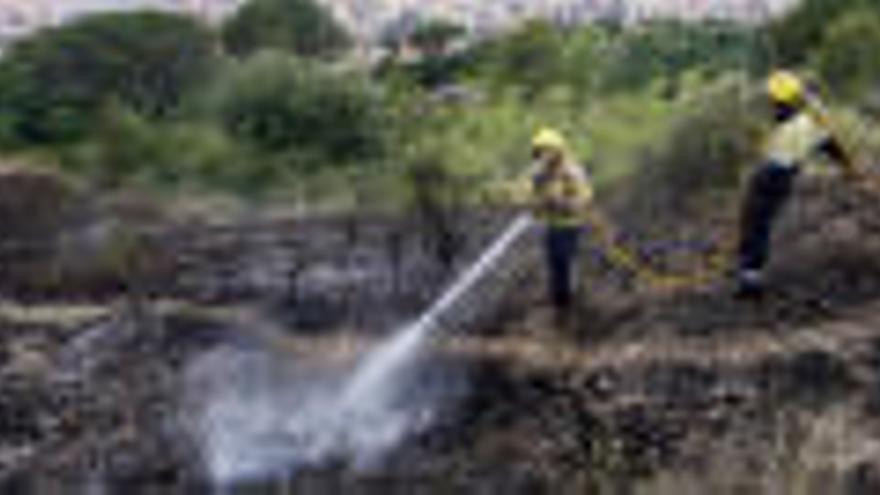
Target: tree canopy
{"type": "Point", "coordinates": [796, 34]}
{"type": "Point", "coordinates": [848, 57]}
{"type": "Point", "coordinates": [54, 84]}
{"type": "Point", "coordinates": [299, 26]}
{"type": "Point", "coordinates": [285, 105]}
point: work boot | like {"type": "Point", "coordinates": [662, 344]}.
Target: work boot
{"type": "Point", "coordinates": [750, 285]}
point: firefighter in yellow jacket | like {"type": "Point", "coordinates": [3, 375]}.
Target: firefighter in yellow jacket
{"type": "Point", "coordinates": [800, 131]}
{"type": "Point", "coordinates": [560, 195]}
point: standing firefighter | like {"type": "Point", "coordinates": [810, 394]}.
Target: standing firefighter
{"type": "Point", "coordinates": [799, 133]}
{"type": "Point", "coordinates": [561, 195]}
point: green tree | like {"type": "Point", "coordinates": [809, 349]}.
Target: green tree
{"type": "Point", "coordinates": [666, 50]}
{"type": "Point", "coordinates": [283, 105]}
{"type": "Point", "coordinates": [797, 34]}
{"type": "Point", "coordinates": [437, 65]}
{"type": "Point", "coordinates": [435, 36]}
{"type": "Point", "coordinates": [583, 55]}
{"type": "Point", "coordinates": [131, 149]}
{"type": "Point", "coordinates": [299, 26]}
{"type": "Point", "coordinates": [848, 57]}
{"type": "Point", "coordinates": [531, 57]}
{"type": "Point", "coordinates": [54, 85]}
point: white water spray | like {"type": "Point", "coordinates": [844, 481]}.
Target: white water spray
{"type": "Point", "coordinates": [386, 361]}
{"type": "Point", "coordinates": [270, 428]}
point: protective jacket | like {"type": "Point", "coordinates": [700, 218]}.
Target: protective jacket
{"type": "Point", "coordinates": [794, 142]}
{"type": "Point", "coordinates": [560, 196]}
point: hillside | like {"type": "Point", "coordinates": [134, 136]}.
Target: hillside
{"type": "Point", "coordinates": [247, 267]}
{"type": "Point", "coordinates": [647, 393]}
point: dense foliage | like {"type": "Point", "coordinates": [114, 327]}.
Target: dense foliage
{"type": "Point", "coordinates": [300, 26]}
{"type": "Point", "coordinates": [270, 100]}
{"type": "Point", "coordinates": [797, 34]}
{"type": "Point", "coordinates": [54, 84]}
{"type": "Point", "coordinates": [280, 104]}
{"type": "Point", "coordinates": [847, 58]}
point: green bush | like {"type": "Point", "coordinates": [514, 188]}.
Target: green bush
{"type": "Point", "coordinates": [293, 108]}
{"type": "Point", "coordinates": [597, 60]}
{"type": "Point", "coordinates": [704, 154]}
{"type": "Point", "coordinates": [132, 149]}
{"type": "Point", "coordinates": [848, 58]}
{"type": "Point", "coordinates": [54, 84]}
{"type": "Point", "coordinates": [796, 35]}
{"type": "Point", "coordinates": [665, 51]}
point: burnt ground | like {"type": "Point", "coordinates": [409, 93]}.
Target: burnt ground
{"type": "Point", "coordinates": [645, 391]}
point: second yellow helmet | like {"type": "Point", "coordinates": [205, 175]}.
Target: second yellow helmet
{"type": "Point", "coordinates": [786, 87]}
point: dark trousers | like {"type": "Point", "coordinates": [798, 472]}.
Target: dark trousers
{"type": "Point", "coordinates": [561, 246]}
{"type": "Point", "coordinates": [768, 192]}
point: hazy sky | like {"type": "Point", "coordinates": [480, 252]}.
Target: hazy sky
{"type": "Point", "coordinates": [65, 6]}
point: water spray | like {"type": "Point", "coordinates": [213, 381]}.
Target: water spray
{"type": "Point", "coordinates": [272, 426]}
{"type": "Point", "coordinates": [388, 358]}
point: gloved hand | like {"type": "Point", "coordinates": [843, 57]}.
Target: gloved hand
{"type": "Point", "coordinates": [558, 206]}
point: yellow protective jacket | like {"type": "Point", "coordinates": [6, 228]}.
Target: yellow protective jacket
{"type": "Point", "coordinates": [560, 197]}
{"type": "Point", "coordinates": [794, 142]}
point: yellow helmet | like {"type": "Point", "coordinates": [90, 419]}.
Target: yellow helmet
{"type": "Point", "coordinates": [786, 87]}
{"type": "Point", "coordinates": [551, 139]}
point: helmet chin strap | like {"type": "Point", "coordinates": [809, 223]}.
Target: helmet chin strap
{"type": "Point", "coordinates": [783, 112]}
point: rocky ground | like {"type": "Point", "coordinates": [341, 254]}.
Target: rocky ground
{"type": "Point", "coordinates": [645, 391]}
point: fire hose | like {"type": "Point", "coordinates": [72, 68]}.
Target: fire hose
{"type": "Point", "coordinates": [715, 265]}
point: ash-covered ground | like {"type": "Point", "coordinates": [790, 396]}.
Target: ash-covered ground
{"type": "Point", "coordinates": [110, 371]}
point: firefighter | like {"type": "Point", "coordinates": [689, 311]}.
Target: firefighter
{"type": "Point", "coordinates": [799, 133]}
{"type": "Point", "coordinates": [561, 194]}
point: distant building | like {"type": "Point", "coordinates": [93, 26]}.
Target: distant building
{"type": "Point", "coordinates": [19, 18]}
